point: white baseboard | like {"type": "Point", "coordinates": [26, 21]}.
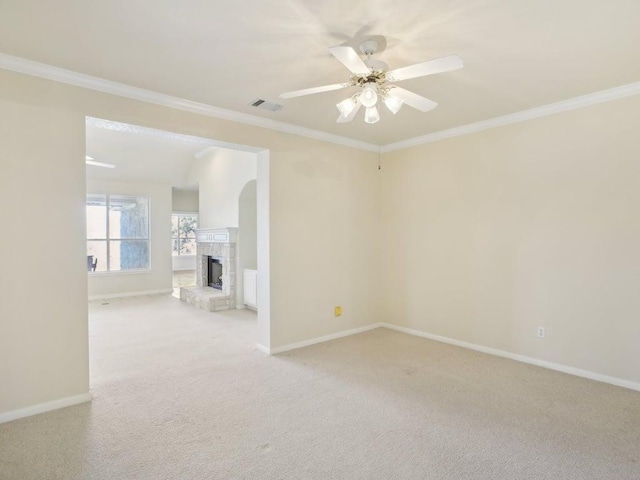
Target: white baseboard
{"type": "Point", "coordinates": [44, 407]}
{"type": "Point", "coordinates": [313, 341]}
{"type": "Point", "coordinates": [247, 307]}
{"type": "Point", "coordinates": [520, 358]}
{"type": "Point", "coordinates": [459, 343]}
{"type": "Point", "coordinates": [130, 294]}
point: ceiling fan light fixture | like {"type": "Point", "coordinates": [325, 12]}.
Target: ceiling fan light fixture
{"type": "Point", "coordinates": [394, 104]}
{"type": "Point", "coordinates": [371, 115]}
{"type": "Point", "coordinates": [347, 106]}
{"type": "Point", "coordinates": [375, 81]}
{"type": "Point", "coordinates": [369, 95]}
{"type": "Point", "coordinates": [347, 118]}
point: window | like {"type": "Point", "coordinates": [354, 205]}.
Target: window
{"type": "Point", "coordinates": [117, 232]}
{"type": "Point", "coordinates": [183, 233]}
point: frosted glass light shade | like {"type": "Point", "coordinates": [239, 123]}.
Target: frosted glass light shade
{"type": "Point", "coordinates": [369, 96]}
{"type": "Point", "coordinates": [394, 104]}
{"type": "Point", "coordinates": [371, 115]}
{"type": "Point", "coordinates": [346, 106]}
{"type": "Point", "coordinates": [352, 114]}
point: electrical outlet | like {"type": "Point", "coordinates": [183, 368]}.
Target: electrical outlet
{"type": "Point", "coordinates": [337, 311]}
{"type": "Point", "coordinates": [541, 332]}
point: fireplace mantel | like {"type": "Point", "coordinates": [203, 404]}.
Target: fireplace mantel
{"type": "Point", "coordinates": [216, 235]}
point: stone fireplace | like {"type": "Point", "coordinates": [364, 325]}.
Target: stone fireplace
{"type": "Point", "coordinates": [216, 245]}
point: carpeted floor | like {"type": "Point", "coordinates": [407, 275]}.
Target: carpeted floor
{"type": "Point", "coordinates": [180, 393]}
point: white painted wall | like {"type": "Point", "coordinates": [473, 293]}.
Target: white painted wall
{"type": "Point", "coordinates": [158, 278]}
{"type": "Point", "coordinates": [489, 235]}
{"type": "Point", "coordinates": [263, 195]}
{"type": "Point", "coordinates": [247, 247]}
{"type": "Point", "coordinates": [183, 262]}
{"type": "Point", "coordinates": [221, 176]}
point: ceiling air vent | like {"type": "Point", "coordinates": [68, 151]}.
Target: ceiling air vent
{"type": "Point", "coordinates": [265, 105]}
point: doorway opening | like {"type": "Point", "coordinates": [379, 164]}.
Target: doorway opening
{"type": "Point", "coordinates": [172, 190]}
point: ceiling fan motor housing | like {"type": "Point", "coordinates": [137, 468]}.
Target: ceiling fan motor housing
{"type": "Point", "coordinates": [369, 47]}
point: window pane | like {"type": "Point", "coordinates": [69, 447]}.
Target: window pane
{"type": "Point", "coordinates": [175, 247]}
{"type": "Point", "coordinates": [128, 254]}
{"type": "Point", "coordinates": [174, 225]}
{"type": "Point", "coordinates": [96, 216]}
{"type": "Point", "coordinates": [187, 226]}
{"type": "Point", "coordinates": [128, 217]}
{"type": "Point", "coordinates": [187, 246]}
{"type": "Point", "coordinates": [98, 251]}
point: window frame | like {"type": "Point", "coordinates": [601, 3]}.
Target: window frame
{"type": "Point", "coordinates": [109, 239]}
{"type": "Point", "coordinates": [183, 214]}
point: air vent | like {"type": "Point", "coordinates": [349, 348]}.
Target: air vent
{"type": "Point", "coordinates": [265, 105]}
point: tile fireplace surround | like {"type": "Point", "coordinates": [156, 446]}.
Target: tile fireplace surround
{"type": "Point", "coordinates": [219, 243]}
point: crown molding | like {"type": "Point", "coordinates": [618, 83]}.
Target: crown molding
{"type": "Point", "coordinates": [522, 116]}
{"type": "Point", "coordinates": [36, 69]}
{"type": "Point", "coordinates": [205, 151]}
{"type": "Point", "coordinates": [207, 143]}
{"type": "Point", "coordinates": [49, 72]}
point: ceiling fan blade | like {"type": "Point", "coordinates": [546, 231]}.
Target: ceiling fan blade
{"type": "Point", "coordinates": [413, 99]}
{"type": "Point", "coordinates": [350, 59]}
{"type": "Point", "coordinates": [93, 163]}
{"type": "Point", "coordinates": [309, 91]}
{"type": "Point", "coordinates": [352, 114]}
{"type": "Point", "coordinates": [439, 65]}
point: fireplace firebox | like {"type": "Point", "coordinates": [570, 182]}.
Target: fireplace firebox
{"type": "Point", "coordinates": [214, 272]}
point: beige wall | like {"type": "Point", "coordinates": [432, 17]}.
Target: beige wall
{"type": "Point", "coordinates": [492, 234]}
{"type": "Point", "coordinates": [43, 280]}
{"type": "Point", "coordinates": [484, 237]}
{"type": "Point", "coordinates": [324, 234]}
{"type": "Point", "coordinates": [158, 278]}
{"type": "Point", "coordinates": [322, 221]}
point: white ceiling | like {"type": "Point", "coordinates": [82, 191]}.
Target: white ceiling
{"type": "Point", "coordinates": [518, 54]}
{"type": "Point", "coordinates": [141, 154]}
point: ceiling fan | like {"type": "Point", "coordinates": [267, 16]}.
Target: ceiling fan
{"type": "Point", "coordinates": [375, 80]}
{"type": "Point", "coordinates": [90, 161]}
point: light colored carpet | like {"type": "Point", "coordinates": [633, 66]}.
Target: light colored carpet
{"type": "Point", "coordinates": [180, 393]}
